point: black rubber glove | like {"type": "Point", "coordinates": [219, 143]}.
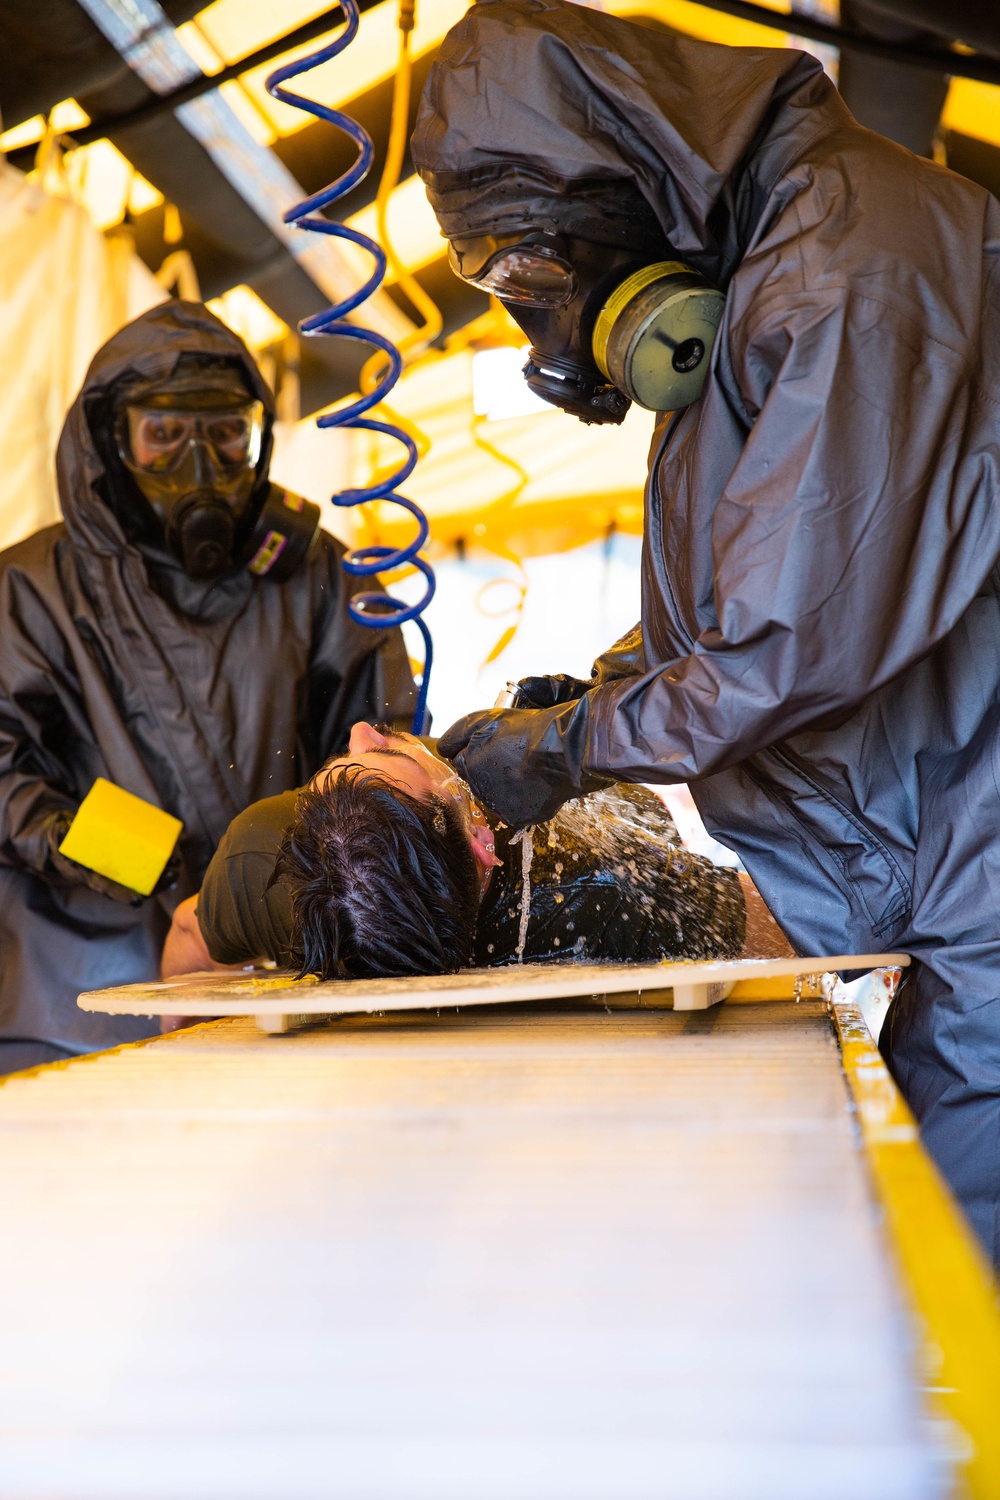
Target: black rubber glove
{"type": "Point", "coordinates": [523, 763]}
{"type": "Point", "coordinates": [546, 692]}
{"type": "Point", "coordinates": [623, 659]}
{"type": "Point", "coordinates": [70, 873]}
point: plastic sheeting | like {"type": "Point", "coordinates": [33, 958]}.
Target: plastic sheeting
{"type": "Point", "coordinates": [64, 289]}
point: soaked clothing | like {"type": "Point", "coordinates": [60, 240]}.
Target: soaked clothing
{"type": "Point", "coordinates": [198, 697]}
{"type": "Point", "coordinates": [820, 647]}
{"type": "Point", "coordinates": [610, 880]}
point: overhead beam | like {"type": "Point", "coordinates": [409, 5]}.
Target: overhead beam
{"type": "Point", "coordinates": [936, 59]}
{"type": "Point", "coordinates": [982, 68]}
{"type": "Point", "coordinates": [165, 104]}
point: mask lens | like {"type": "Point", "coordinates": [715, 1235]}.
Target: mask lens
{"type": "Point", "coordinates": [526, 274]}
{"type": "Point", "coordinates": [235, 435]}
{"type": "Point", "coordinates": [158, 438]}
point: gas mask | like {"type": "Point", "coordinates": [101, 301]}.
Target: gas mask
{"type": "Point", "coordinates": [606, 326]}
{"type": "Point", "coordinates": [192, 446]}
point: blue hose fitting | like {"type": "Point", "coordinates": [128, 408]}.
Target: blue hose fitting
{"type": "Point", "coordinates": [375, 609]}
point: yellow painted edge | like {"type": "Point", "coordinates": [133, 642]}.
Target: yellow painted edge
{"type": "Point", "coordinates": [85, 1057]}
{"type": "Point", "coordinates": [949, 1279]}
{"type": "Point", "coordinates": [782, 987]}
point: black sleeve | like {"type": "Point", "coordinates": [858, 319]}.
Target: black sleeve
{"type": "Point", "coordinates": [42, 725]}
{"type": "Point", "coordinates": [354, 672]}
{"type": "Point", "coordinates": [240, 916]}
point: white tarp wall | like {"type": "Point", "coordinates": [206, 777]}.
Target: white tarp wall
{"type": "Point", "coordinates": [65, 288]}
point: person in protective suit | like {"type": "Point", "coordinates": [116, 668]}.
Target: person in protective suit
{"type": "Point", "coordinates": [816, 315]}
{"type": "Point", "coordinates": [183, 633]}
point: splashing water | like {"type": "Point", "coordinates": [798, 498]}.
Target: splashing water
{"type": "Point", "coordinates": [681, 905]}
{"type": "Point", "coordinates": [526, 839]}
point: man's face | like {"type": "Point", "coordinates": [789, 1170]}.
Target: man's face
{"type": "Point", "coordinates": [403, 759]}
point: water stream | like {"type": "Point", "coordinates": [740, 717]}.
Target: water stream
{"type": "Point", "coordinates": [526, 839]}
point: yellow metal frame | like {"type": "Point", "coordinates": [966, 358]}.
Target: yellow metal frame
{"type": "Point", "coordinates": [947, 1276]}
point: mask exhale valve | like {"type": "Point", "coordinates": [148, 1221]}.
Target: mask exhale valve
{"type": "Point", "coordinates": [565, 383]}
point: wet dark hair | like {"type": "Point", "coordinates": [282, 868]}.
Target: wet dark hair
{"type": "Point", "coordinates": [382, 884]}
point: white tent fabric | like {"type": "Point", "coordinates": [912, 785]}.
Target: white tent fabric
{"type": "Point", "coordinates": [536, 483]}
{"type": "Point", "coordinates": [64, 289]}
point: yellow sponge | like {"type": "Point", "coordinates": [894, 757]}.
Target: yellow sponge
{"type": "Point", "coordinates": [121, 836]}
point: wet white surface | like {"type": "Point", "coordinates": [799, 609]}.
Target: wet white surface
{"type": "Point", "coordinates": [216, 994]}
{"type": "Point", "coordinates": [502, 1255]}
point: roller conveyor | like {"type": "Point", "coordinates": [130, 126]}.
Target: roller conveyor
{"type": "Point", "coordinates": [491, 1254]}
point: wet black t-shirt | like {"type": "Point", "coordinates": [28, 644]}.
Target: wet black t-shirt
{"type": "Point", "coordinates": [609, 880]}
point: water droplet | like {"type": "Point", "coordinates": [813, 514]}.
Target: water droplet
{"type": "Point", "coordinates": [489, 947]}
{"type": "Point", "coordinates": [555, 942]}
{"type": "Point", "coordinates": [560, 898]}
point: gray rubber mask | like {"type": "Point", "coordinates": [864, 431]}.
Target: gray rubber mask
{"type": "Point", "coordinates": [192, 446]}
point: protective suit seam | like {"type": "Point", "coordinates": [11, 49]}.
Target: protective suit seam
{"type": "Point", "coordinates": [896, 910]}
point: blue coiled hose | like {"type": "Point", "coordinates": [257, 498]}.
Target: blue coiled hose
{"type": "Point", "coordinates": [375, 609]}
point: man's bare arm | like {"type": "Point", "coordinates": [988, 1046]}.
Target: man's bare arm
{"type": "Point", "coordinates": [185, 952]}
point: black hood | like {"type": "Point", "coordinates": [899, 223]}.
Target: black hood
{"type": "Point", "coordinates": [149, 348]}
{"type": "Point", "coordinates": [544, 112]}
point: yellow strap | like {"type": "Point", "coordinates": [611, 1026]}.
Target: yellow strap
{"type": "Point", "coordinates": [620, 297]}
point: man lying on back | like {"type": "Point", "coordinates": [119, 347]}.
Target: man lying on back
{"type": "Point", "coordinates": [384, 865]}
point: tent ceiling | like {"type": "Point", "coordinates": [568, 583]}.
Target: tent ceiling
{"type": "Point", "coordinates": [55, 51]}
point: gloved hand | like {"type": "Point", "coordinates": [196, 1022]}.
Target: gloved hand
{"type": "Point", "coordinates": [523, 763]}
{"type": "Point", "coordinates": [170, 879]}
{"type": "Point", "coordinates": [546, 692]}
{"type": "Point", "coordinates": [70, 873]}
{"type": "Point", "coordinates": [623, 659]}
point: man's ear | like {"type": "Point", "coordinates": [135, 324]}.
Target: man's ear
{"type": "Point", "coordinates": [482, 838]}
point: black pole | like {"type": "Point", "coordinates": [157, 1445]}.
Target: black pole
{"type": "Point", "coordinates": [108, 125]}
{"type": "Point", "coordinates": [936, 60]}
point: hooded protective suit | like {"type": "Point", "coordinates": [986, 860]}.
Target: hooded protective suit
{"type": "Point", "coordinates": [199, 697]}
{"type": "Point", "coordinates": [820, 650]}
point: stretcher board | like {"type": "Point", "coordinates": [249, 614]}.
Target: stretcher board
{"type": "Point", "coordinates": [511, 1253]}
{"type": "Point", "coordinates": [280, 1002]}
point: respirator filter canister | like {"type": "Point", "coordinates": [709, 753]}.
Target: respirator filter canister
{"type": "Point", "coordinates": [653, 337]}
